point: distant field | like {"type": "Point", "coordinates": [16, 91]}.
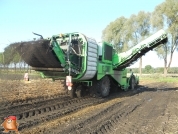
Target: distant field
{"type": "Point", "coordinates": [35, 75]}
{"type": "Point", "coordinates": [18, 76]}
{"type": "Point", "coordinates": [158, 78]}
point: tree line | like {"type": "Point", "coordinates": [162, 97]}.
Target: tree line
{"type": "Point", "coordinates": [124, 33]}
{"type": "Point", "coordinates": [10, 58]}
{"type": "Point", "coordinates": [148, 69]}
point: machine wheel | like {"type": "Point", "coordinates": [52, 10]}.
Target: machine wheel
{"type": "Point", "coordinates": [79, 91]}
{"type": "Point", "coordinates": [72, 92]}
{"type": "Point", "coordinates": [132, 82]}
{"type": "Point", "coordinates": [104, 86]}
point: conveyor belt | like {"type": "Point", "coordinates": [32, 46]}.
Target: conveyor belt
{"type": "Point", "coordinates": [139, 54]}
{"type": "Point", "coordinates": [38, 54]}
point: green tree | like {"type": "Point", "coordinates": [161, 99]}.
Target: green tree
{"type": "Point", "coordinates": [16, 57]}
{"type": "Point", "coordinates": [124, 33]}
{"type": "Point", "coordinates": [165, 16]}
{"type": "Point", "coordinates": [11, 56]}
{"type": "Point", "coordinates": [148, 68]}
{"type": "Point", "coordinates": [140, 28]}
{"type": "Point", "coordinates": [1, 59]}
{"type": "Point", "coordinates": [7, 56]}
{"type": "Point", "coordinates": [114, 33]}
{"type": "Point", "coordinates": [160, 70]}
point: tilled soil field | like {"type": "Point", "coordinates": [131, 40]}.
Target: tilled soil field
{"type": "Point", "coordinates": [44, 107]}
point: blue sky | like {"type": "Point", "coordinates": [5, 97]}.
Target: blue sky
{"type": "Point", "coordinates": [19, 18]}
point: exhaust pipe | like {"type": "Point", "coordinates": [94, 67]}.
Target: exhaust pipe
{"type": "Point", "coordinates": [41, 37]}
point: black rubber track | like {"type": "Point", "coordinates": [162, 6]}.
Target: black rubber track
{"type": "Point", "coordinates": [38, 54]}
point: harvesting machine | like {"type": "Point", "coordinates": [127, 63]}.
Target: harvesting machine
{"type": "Point", "coordinates": [85, 64]}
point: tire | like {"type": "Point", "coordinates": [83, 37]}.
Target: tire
{"type": "Point", "coordinates": [72, 92]}
{"type": "Point", "coordinates": [79, 92]}
{"type": "Point", "coordinates": [114, 86]}
{"type": "Point", "coordinates": [132, 82]}
{"type": "Point", "coordinates": [94, 89]}
{"type": "Point", "coordinates": [104, 86]}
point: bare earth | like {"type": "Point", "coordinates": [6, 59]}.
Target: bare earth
{"type": "Point", "coordinates": [44, 107]}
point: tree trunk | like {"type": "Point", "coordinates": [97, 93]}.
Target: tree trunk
{"type": "Point", "coordinates": [15, 67]}
{"type": "Point", "coordinates": [173, 48]}
{"type": "Point", "coordinates": [140, 67]}
{"type": "Point", "coordinates": [170, 60]}
{"type": "Point", "coordinates": [165, 67]}
{"type": "Point", "coordinates": [165, 71]}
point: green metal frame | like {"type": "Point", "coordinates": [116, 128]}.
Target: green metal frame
{"type": "Point", "coordinates": [119, 76]}
{"type": "Point", "coordinates": [119, 58]}
{"type": "Point", "coordinates": [104, 66]}
{"type": "Point", "coordinates": [103, 53]}
{"type": "Point", "coordinates": [61, 56]}
{"type": "Point", "coordinates": [59, 53]}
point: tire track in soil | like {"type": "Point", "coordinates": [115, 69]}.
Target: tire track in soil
{"type": "Point", "coordinates": [120, 95]}
{"type": "Point", "coordinates": [149, 117]}
{"type": "Point", "coordinates": [49, 110]}
{"type": "Point", "coordinates": [146, 115]}
{"type": "Point", "coordinates": [102, 121]}
{"type": "Point", "coordinates": [145, 111]}
{"type": "Point", "coordinates": [32, 118]}
{"type": "Point", "coordinates": [20, 103]}
{"type": "Point", "coordinates": [172, 115]}
{"type": "Point", "coordinates": [28, 104]}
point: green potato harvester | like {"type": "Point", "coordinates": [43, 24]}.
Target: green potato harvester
{"type": "Point", "coordinates": [85, 64]}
